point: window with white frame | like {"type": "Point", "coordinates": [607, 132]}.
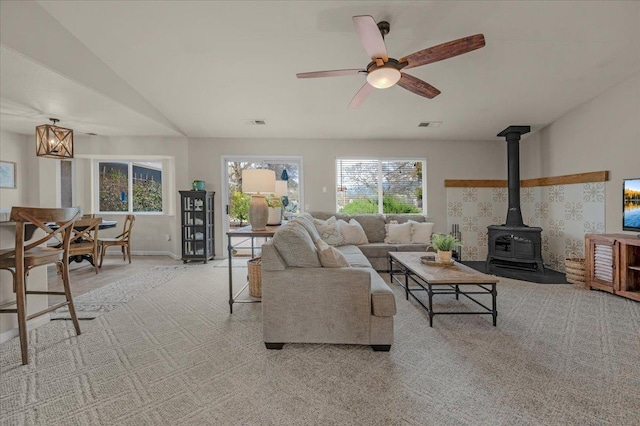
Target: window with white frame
{"type": "Point", "coordinates": [129, 186]}
{"type": "Point", "coordinates": [380, 185]}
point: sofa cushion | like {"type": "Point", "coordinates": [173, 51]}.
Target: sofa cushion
{"type": "Point", "coordinates": [352, 232]}
{"type": "Point", "coordinates": [354, 256]}
{"type": "Point", "coordinates": [383, 302]}
{"type": "Point", "coordinates": [402, 218]}
{"type": "Point", "coordinates": [294, 244]}
{"type": "Point", "coordinates": [373, 225]}
{"type": "Point", "coordinates": [398, 233]}
{"type": "Point", "coordinates": [326, 215]}
{"type": "Point", "coordinates": [330, 257]}
{"type": "Point", "coordinates": [421, 232]}
{"type": "Point", "coordinates": [329, 231]}
{"type": "Point", "coordinates": [373, 250]}
{"type": "Point", "coordinates": [306, 220]}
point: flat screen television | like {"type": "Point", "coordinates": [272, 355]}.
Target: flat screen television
{"type": "Point", "coordinates": [631, 205]}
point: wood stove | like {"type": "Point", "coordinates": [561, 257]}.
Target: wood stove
{"type": "Point", "coordinates": [514, 245]}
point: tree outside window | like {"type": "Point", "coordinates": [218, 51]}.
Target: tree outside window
{"type": "Point", "coordinates": [239, 202]}
{"type": "Point", "coordinates": [379, 186]}
{"type": "Point", "coordinates": [130, 187]}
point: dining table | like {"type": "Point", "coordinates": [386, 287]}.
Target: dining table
{"type": "Point", "coordinates": [105, 224]}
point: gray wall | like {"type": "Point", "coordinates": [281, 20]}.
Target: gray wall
{"type": "Point", "coordinates": [445, 160]}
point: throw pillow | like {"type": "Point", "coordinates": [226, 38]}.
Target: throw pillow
{"type": "Point", "coordinates": [295, 246]}
{"type": "Point", "coordinates": [398, 233]}
{"type": "Point", "coordinates": [421, 232]}
{"type": "Point", "coordinates": [306, 220]}
{"type": "Point", "coordinates": [329, 231]}
{"type": "Point", "coordinates": [353, 232]}
{"type": "Point", "coordinates": [330, 257]}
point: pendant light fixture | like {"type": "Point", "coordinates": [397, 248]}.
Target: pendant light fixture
{"type": "Point", "coordinates": [53, 141]}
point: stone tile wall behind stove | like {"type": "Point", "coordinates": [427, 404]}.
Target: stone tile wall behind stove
{"type": "Point", "coordinates": [564, 212]}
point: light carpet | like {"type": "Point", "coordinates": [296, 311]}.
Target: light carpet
{"type": "Point", "coordinates": [174, 355]}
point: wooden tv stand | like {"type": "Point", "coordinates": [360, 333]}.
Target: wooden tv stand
{"type": "Point", "coordinates": [613, 264]}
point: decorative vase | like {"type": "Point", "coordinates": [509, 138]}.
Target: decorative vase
{"type": "Point", "coordinates": [198, 185]}
{"type": "Point", "coordinates": [444, 256]}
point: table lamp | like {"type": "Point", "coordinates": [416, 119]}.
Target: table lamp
{"type": "Point", "coordinates": [258, 182]}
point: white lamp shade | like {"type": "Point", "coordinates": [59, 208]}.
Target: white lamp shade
{"type": "Point", "coordinates": [281, 188]}
{"type": "Point", "coordinates": [258, 181]}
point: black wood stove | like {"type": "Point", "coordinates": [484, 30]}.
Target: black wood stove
{"type": "Point", "coordinates": [514, 245]}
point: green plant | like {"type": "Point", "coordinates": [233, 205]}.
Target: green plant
{"type": "Point", "coordinates": [390, 204]}
{"type": "Point", "coordinates": [444, 242]}
{"type": "Point", "coordinates": [239, 208]}
{"type": "Point", "coordinates": [273, 201]}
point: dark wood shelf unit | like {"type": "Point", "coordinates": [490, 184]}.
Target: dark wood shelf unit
{"type": "Point", "coordinates": [613, 264]}
{"type": "Point", "coordinates": [196, 214]}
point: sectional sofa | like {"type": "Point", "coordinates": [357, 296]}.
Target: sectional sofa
{"type": "Point", "coordinates": [377, 250]}
{"type": "Point", "coordinates": [309, 299]}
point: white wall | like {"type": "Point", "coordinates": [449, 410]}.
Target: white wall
{"type": "Point", "coordinates": [13, 147]}
{"type": "Point", "coordinates": [149, 232]}
{"type": "Point", "coordinates": [19, 149]}
{"type": "Point", "coordinates": [445, 160]}
{"type": "Point", "coordinates": [602, 134]}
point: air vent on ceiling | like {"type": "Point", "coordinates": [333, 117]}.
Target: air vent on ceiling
{"type": "Point", "coordinates": [430, 124]}
{"type": "Point", "coordinates": [92, 134]}
{"type": "Point", "coordinates": [255, 122]}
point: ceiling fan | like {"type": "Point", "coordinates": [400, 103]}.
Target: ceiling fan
{"type": "Point", "coordinates": [383, 72]}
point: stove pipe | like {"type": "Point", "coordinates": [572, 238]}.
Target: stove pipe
{"type": "Point", "coordinates": [512, 134]}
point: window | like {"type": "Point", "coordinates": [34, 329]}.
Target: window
{"type": "Point", "coordinates": [288, 170]}
{"type": "Point", "coordinates": [380, 185]}
{"type": "Point", "coordinates": [129, 186]}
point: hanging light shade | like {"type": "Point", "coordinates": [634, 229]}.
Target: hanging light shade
{"type": "Point", "coordinates": [53, 141]}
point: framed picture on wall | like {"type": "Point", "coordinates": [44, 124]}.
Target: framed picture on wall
{"type": "Point", "coordinates": [7, 174]}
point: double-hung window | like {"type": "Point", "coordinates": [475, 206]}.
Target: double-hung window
{"type": "Point", "coordinates": [365, 185]}
{"type": "Point", "coordinates": [129, 186]}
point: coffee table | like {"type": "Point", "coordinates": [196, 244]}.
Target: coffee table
{"type": "Point", "coordinates": [437, 279]}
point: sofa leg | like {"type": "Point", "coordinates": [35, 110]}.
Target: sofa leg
{"type": "Point", "coordinates": [381, 348]}
{"type": "Point", "coordinates": [274, 345]}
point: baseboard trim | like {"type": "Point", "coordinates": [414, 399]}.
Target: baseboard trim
{"type": "Point", "coordinates": [34, 323]}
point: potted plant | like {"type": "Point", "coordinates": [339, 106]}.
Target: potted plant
{"type": "Point", "coordinates": [275, 210]}
{"type": "Point", "coordinates": [444, 244]}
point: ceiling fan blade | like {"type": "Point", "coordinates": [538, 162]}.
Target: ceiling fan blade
{"type": "Point", "coordinates": [417, 86]}
{"type": "Point", "coordinates": [332, 73]}
{"type": "Point", "coordinates": [370, 37]}
{"type": "Point", "coordinates": [444, 51]}
{"type": "Point", "coordinates": [360, 97]}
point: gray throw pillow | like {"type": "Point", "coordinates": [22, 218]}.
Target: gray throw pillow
{"type": "Point", "coordinates": [306, 220]}
{"type": "Point", "coordinates": [296, 246]}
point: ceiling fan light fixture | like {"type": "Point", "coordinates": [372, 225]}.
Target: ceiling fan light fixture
{"type": "Point", "coordinates": [383, 77]}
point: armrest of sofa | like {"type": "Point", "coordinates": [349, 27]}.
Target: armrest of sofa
{"type": "Point", "coordinates": [330, 305]}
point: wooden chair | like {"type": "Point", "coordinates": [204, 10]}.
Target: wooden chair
{"type": "Point", "coordinates": [123, 240]}
{"type": "Point", "coordinates": [84, 239]}
{"type": "Point", "coordinates": [25, 256]}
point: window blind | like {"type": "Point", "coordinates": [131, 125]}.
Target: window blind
{"type": "Point", "coordinates": [361, 182]}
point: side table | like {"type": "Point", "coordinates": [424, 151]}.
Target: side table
{"type": "Point", "coordinates": [245, 233]}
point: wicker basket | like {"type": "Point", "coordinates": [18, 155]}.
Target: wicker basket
{"type": "Point", "coordinates": [255, 277]}
{"type": "Point", "coordinates": [575, 270]}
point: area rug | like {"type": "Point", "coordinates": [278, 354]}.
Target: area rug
{"type": "Point", "coordinates": [238, 262]}
{"type": "Point", "coordinates": [549, 277]}
{"type": "Point", "coordinates": [105, 299]}
{"type": "Point", "coordinates": [174, 355]}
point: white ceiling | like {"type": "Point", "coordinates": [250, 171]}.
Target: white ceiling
{"type": "Point", "coordinates": [201, 69]}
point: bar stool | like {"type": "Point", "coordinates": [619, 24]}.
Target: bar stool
{"type": "Point", "coordinates": [25, 256]}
